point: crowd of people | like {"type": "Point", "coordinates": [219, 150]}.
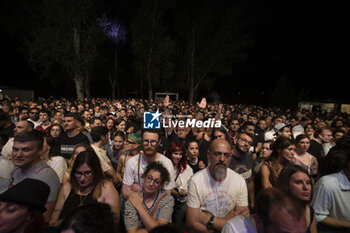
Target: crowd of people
{"type": "Point", "coordinates": [91, 166]}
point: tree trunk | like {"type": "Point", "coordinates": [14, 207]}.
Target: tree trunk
{"type": "Point", "coordinates": [191, 70]}
{"type": "Point", "coordinates": [79, 86]}
{"type": "Point", "coordinates": [141, 85]}
{"type": "Point", "coordinates": [78, 76]}
{"type": "Point", "coordinates": [113, 84]}
{"type": "Point", "coordinates": [87, 85]}
{"type": "Point", "coordinates": [116, 78]}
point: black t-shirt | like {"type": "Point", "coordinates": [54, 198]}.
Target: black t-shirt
{"type": "Point", "coordinates": [244, 165]}
{"type": "Point", "coordinates": [195, 167]}
{"type": "Point", "coordinates": [316, 149]}
{"type": "Point", "coordinates": [203, 150]}
{"type": "Point", "coordinates": [8, 131]}
{"type": "Point", "coordinates": [67, 144]}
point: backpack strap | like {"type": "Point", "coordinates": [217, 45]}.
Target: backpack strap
{"type": "Point", "coordinates": [157, 204]}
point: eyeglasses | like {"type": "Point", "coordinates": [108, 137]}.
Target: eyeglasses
{"type": "Point", "coordinates": [217, 154]}
{"type": "Point", "coordinates": [87, 174]}
{"type": "Point", "coordinates": [34, 113]}
{"type": "Point", "coordinates": [149, 179]}
{"type": "Point", "coordinates": [177, 153]}
{"type": "Point", "coordinates": [152, 142]}
{"type": "Point", "coordinates": [130, 142]}
{"type": "Point", "coordinates": [246, 141]}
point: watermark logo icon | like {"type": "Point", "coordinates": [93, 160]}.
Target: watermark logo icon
{"type": "Point", "coordinates": [151, 120]}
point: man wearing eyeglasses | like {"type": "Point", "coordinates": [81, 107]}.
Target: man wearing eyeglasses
{"type": "Point", "coordinates": [216, 193]}
{"type": "Point", "coordinates": [243, 163]}
{"type": "Point", "coordinates": [34, 116]}
{"type": "Point", "coordinates": [135, 166]}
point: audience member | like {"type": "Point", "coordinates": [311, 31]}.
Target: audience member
{"type": "Point", "coordinates": [34, 116]}
{"type": "Point", "coordinates": [192, 154]}
{"type": "Point", "coordinates": [46, 124]}
{"type": "Point", "coordinates": [295, 180]}
{"type": "Point", "coordinates": [321, 136]}
{"type": "Point", "coordinates": [152, 206]}
{"type": "Point", "coordinates": [72, 136]}
{"type": "Point", "coordinates": [27, 162]}
{"type": "Point", "coordinates": [90, 218]}
{"type": "Point", "coordinates": [22, 206]}
{"type": "Point", "coordinates": [21, 126]}
{"type": "Point", "coordinates": [302, 157]}
{"type": "Point", "coordinates": [86, 186]}
{"type": "Point", "coordinates": [216, 193]}
{"type": "Point", "coordinates": [274, 212]}
{"type": "Point", "coordinates": [50, 154]}
{"type": "Point", "coordinates": [56, 130]}
{"type": "Point", "coordinates": [283, 151]}
{"type": "Point", "coordinates": [131, 147]}
{"type": "Point", "coordinates": [99, 135]}
{"type": "Point", "coordinates": [332, 195]}
{"type": "Point", "coordinates": [177, 154]}
{"type": "Point", "coordinates": [135, 166]}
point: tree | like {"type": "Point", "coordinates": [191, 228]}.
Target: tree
{"type": "Point", "coordinates": [116, 33]}
{"type": "Point", "coordinates": [211, 37]}
{"type": "Point", "coordinates": [152, 47]}
{"type": "Point", "coordinates": [65, 34]}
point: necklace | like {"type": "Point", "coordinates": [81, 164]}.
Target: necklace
{"type": "Point", "coordinates": [193, 162]}
{"type": "Point", "coordinates": [82, 199]}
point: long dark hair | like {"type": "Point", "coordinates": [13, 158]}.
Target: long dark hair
{"type": "Point", "coordinates": [280, 144]}
{"type": "Point", "coordinates": [91, 159]}
{"type": "Point", "coordinates": [285, 175]}
{"type": "Point", "coordinates": [54, 148]}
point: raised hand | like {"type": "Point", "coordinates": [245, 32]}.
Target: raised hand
{"type": "Point", "coordinates": [166, 101]}
{"type": "Point", "coordinates": [203, 103]}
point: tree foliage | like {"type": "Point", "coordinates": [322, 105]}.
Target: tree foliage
{"type": "Point", "coordinates": [64, 34]}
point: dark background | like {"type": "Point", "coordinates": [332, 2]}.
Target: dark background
{"type": "Point", "coordinates": [307, 41]}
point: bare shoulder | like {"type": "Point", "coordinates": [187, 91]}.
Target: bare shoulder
{"type": "Point", "coordinates": [108, 186]}
{"type": "Point", "coordinates": [65, 189]}
{"type": "Point", "coordinates": [264, 168]}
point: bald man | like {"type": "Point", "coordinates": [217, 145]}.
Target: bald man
{"type": "Point", "coordinates": [216, 193]}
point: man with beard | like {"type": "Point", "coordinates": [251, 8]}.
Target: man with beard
{"type": "Point", "coordinates": [243, 163]}
{"type": "Point", "coordinates": [135, 166]}
{"type": "Point", "coordinates": [216, 193]}
{"type": "Point", "coordinates": [34, 116]}
{"type": "Point", "coordinates": [21, 126]}
{"type": "Point", "coordinates": [71, 136]}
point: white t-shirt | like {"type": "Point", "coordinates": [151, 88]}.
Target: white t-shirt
{"type": "Point", "coordinates": [102, 155]}
{"type": "Point", "coordinates": [7, 148]}
{"type": "Point", "coordinates": [240, 224]}
{"type": "Point", "coordinates": [218, 198]}
{"type": "Point", "coordinates": [183, 178]}
{"type": "Point", "coordinates": [181, 182]}
{"type": "Point", "coordinates": [58, 163]}
{"type": "Point", "coordinates": [131, 168]}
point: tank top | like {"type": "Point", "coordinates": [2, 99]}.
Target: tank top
{"type": "Point", "coordinates": [74, 201]}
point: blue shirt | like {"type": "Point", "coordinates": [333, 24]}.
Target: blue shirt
{"type": "Point", "coordinates": [332, 197]}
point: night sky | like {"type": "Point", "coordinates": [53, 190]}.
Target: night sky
{"type": "Point", "coordinates": [307, 41]}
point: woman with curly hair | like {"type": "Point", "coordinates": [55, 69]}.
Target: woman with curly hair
{"type": "Point", "coordinates": [152, 206]}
